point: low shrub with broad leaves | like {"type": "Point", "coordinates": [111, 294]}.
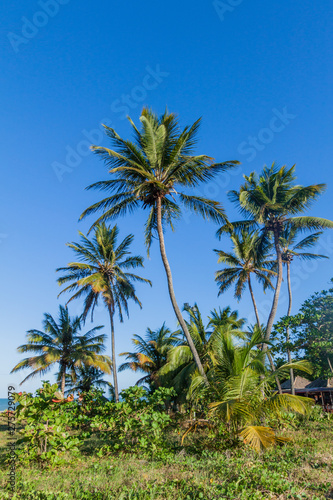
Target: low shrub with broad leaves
{"type": "Point", "coordinates": [44, 426]}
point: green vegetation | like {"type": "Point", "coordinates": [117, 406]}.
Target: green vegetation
{"type": "Point", "coordinates": [271, 201]}
{"type": "Point", "coordinates": [61, 343]}
{"type": "Point", "coordinates": [311, 334]}
{"type": "Point", "coordinates": [302, 469]}
{"type": "Point", "coordinates": [207, 418]}
{"type": "Point", "coordinates": [150, 356]}
{"type": "Point", "coordinates": [152, 173]}
{"type": "Point", "coordinates": [102, 272]}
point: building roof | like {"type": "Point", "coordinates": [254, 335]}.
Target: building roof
{"type": "Point", "coordinates": [299, 383]}
{"type": "Point", "coordinates": [321, 383]}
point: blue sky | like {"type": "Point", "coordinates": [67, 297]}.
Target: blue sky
{"type": "Point", "coordinates": [260, 75]}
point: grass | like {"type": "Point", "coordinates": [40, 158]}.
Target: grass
{"type": "Point", "coordinates": [302, 469]}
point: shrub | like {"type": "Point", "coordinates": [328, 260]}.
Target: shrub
{"type": "Point", "coordinates": [135, 423]}
{"type": "Point", "coordinates": [45, 426]}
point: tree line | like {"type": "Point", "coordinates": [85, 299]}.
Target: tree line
{"type": "Point", "coordinates": [155, 172]}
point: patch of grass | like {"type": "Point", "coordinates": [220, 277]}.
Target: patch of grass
{"type": "Point", "coordinates": [302, 469]}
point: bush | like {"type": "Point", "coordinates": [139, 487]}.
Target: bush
{"type": "Point", "coordinates": [135, 423]}
{"type": "Point", "coordinates": [45, 426]}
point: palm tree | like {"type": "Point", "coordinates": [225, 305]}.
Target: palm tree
{"type": "Point", "coordinates": [151, 173]}
{"type": "Point", "coordinates": [180, 364]}
{"type": "Point", "coordinates": [86, 378]}
{"type": "Point", "coordinates": [102, 273]}
{"type": "Point", "coordinates": [225, 317]}
{"type": "Point", "coordinates": [290, 249]}
{"type": "Point", "coordinates": [272, 201]}
{"type": "Point", "coordinates": [150, 355]}
{"type": "Point", "coordinates": [61, 343]}
{"type": "Point", "coordinates": [240, 388]}
{"type": "Point", "coordinates": [249, 258]}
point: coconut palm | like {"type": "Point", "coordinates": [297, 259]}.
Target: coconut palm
{"type": "Point", "coordinates": [249, 257]}
{"type": "Point", "coordinates": [61, 343]}
{"type": "Point", "coordinates": [150, 355]}
{"type": "Point", "coordinates": [87, 377]}
{"type": "Point", "coordinates": [240, 388]}
{"type": "Point", "coordinates": [225, 317]}
{"type": "Point", "coordinates": [180, 364]}
{"type": "Point", "coordinates": [151, 173]}
{"type": "Point", "coordinates": [102, 272]}
{"type": "Point", "coordinates": [290, 249]}
{"type": "Point", "coordinates": [272, 201]}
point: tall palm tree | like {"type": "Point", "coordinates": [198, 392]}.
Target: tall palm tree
{"type": "Point", "coordinates": [290, 249]}
{"type": "Point", "coordinates": [150, 355]}
{"type": "Point", "coordinates": [102, 273]}
{"type": "Point", "coordinates": [249, 257]}
{"type": "Point", "coordinates": [271, 201]}
{"type": "Point", "coordinates": [151, 173]}
{"type": "Point", "coordinates": [61, 343]}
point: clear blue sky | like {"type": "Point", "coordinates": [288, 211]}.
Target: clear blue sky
{"type": "Point", "coordinates": [240, 67]}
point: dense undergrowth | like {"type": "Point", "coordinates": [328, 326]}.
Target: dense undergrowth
{"type": "Point", "coordinates": [138, 453]}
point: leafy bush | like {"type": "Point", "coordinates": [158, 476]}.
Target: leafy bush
{"type": "Point", "coordinates": [45, 426]}
{"type": "Point", "coordinates": [135, 423]}
{"type": "Point", "coordinates": [82, 411]}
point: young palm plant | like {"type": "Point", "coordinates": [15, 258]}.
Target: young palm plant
{"type": "Point", "coordinates": [150, 355]}
{"type": "Point", "coordinates": [102, 272]}
{"type": "Point", "coordinates": [180, 364]}
{"type": "Point", "coordinates": [61, 343]}
{"type": "Point", "coordinates": [290, 249]}
{"type": "Point", "coordinates": [151, 173]}
{"type": "Point", "coordinates": [270, 202]}
{"type": "Point", "coordinates": [240, 389]}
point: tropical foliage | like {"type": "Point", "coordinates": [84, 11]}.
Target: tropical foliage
{"type": "Point", "coordinates": [152, 173]}
{"type": "Point", "coordinates": [102, 272]}
{"type": "Point", "coordinates": [150, 355]}
{"type": "Point", "coordinates": [291, 249]}
{"type": "Point", "coordinates": [44, 434]}
{"type": "Point", "coordinates": [311, 335]}
{"type": "Point", "coordinates": [250, 257]}
{"type": "Point", "coordinates": [88, 377]}
{"type": "Point", "coordinates": [211, 383]}
{"type": "Point", "coordinates": [240, 388]}
{"type": "Point", "coordinates": [61, 343]}
{"type": "Point", "coordinates": [270, 202]}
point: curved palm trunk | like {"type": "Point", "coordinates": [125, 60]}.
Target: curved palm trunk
{"type": "Point", "coordinates": [113, 356]}
{"type": "Point", "coordinates": [271, 362]}
{"type": "Point", "coordinates": [253, 302]}
{"type": "Point", "coordinates": [272, 314]}
{"type": "Point", "coordinates": [171, 290]}
{"type": "Point", "coordinates": [292, 380]}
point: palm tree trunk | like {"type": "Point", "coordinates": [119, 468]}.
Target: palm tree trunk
{"type": "Point", "coordinates": [272, 314]}
{"type": "Point", "coordinates": [329, 364]}
{"type": "Point", "coordinates": [253, 302]}
{"type": "Point", "coordinates": [292, 380]}
{"type": "Point", "coordinates": [271, 362]}
{"type": "Point", "coordinates": [171, 290]}
{"type": "Point", "coordinates": [113, 356]}
{"type": "Point", "coordinates": [63, 379]}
